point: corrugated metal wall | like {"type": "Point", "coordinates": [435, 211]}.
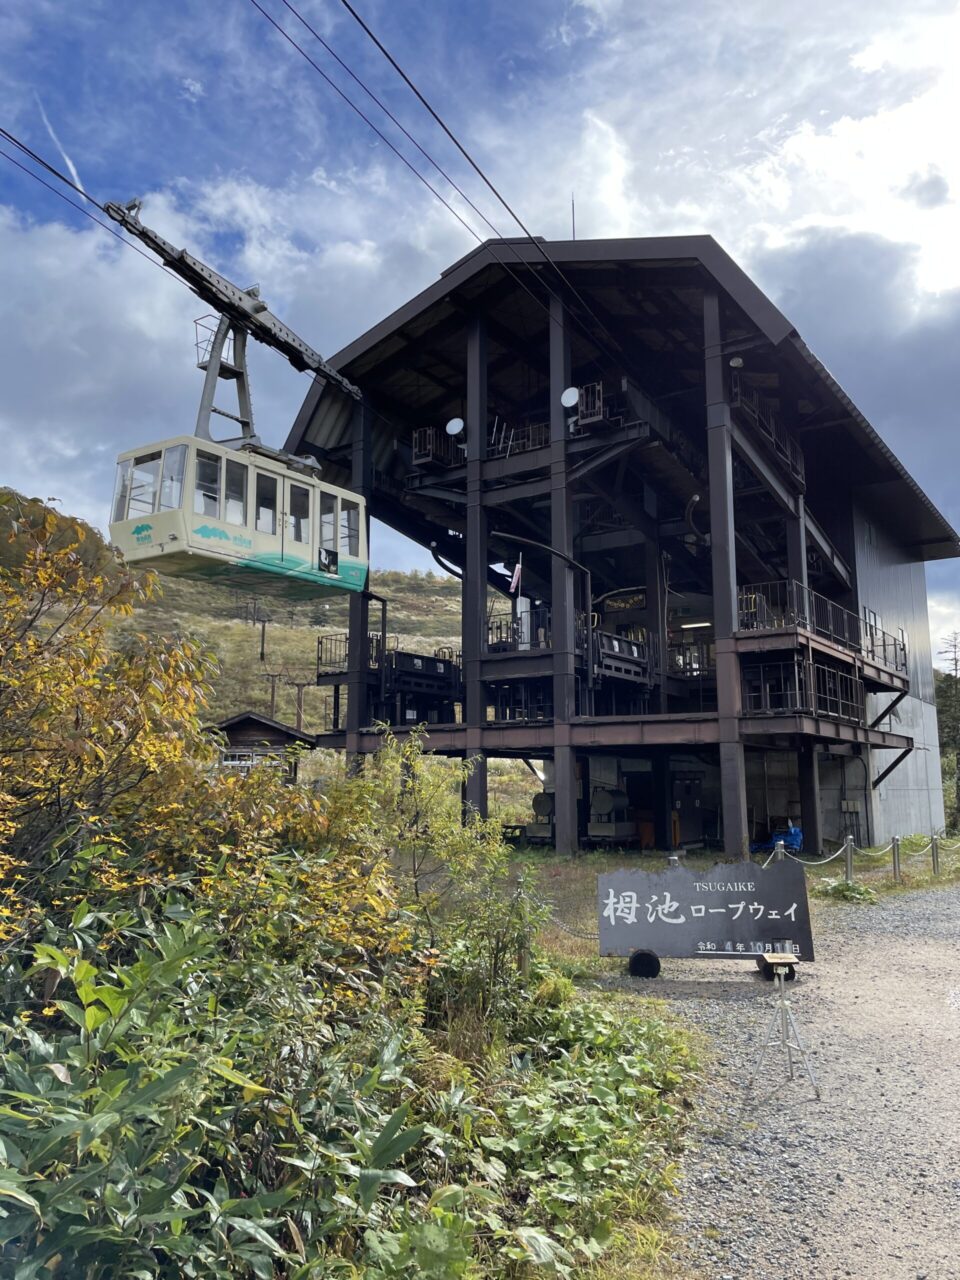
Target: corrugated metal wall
{"type": "Point", "coordinates": [911, 799]}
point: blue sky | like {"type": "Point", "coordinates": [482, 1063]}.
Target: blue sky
{"type": "Point", "coordinates": [816, 144]}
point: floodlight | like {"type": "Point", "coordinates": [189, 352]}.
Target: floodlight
{"type": "Point", "coordinates": [454, 426]}
{"type": "Point", "coordinates": [736, 362]}
{"type": "Point", "coordinates": [570, 398]}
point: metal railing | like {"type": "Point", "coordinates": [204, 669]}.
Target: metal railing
{"type": "Point", "coordinates": [333, 654]}
{"type": "Point", "coordinates": [763, 413]}
{"type": "Point", "coordinates": [780, 688]}
{"type": "Point", "coordinates": [775, 606]}
{"type": "Point", "coordinates": [690, 659]}
{"type": "Point", "coordinates": [530, 629]}
{"type": "Point", "coordinates": [513, 632]}
{"type": "Point", "coordinates": [506, 439]}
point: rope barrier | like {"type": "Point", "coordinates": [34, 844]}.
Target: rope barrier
{"type": "Point", "coordinates": [809, 862]}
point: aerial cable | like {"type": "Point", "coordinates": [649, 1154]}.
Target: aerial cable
{"type": "Point", "coordinates": [391, 117]}
{"type": "Point", "coordinates": [79, 207]}
{"type": "Point", "coordinates": [426, 155]}
{"type": "Point", "coordinates": [93, 218]}
{"type": "Point", "coordinates": [476, 167]}
{"type": "Point", "coordinates": [413, 169]}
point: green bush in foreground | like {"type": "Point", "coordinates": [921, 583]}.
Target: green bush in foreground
{"type": "Point", "coordinates": [251, 1031]}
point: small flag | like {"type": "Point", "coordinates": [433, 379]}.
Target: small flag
{"type": "Point", "coordinates": [515, 580]}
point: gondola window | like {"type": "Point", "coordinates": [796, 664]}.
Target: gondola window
{"type": "Point", "coordinates": [144, 484]}
{"type": "Point", "coordinates": [299, 515]}
{"type": "Point", "coordinates": [266, 503]}
{"type": "Point", "coordinates": [171, 482]}
{"type": "Point", "coordinates": [206, 493]}
{"type": "Point", "coordinates": [349, 528]}
{"type": "Point", "coordinates": [235, 492]}
{"type": "Point", "coordinates": [328, 521]}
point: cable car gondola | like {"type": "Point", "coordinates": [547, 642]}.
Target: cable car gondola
{"type": "Point", "coordinates": [249, 516]}
{"type": "Point", "coordinates": [235, 510]}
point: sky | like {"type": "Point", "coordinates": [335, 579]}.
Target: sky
{"type": "Point", "coordinates": [816, 143]}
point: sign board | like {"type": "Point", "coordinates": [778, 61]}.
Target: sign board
{"type": "Point", "coordinates": [735, 910]}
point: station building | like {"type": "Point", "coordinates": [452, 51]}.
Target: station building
{"type": "Point", "coordinates": [719, 623]}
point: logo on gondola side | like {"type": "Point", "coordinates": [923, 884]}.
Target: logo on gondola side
{"type": "Point", "coordinates": [143, 532]}
{"type": "Point", "coordinates": [208, 531]}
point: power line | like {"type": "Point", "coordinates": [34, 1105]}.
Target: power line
{"type": "Point", "coordinates": [476, 167]}
{"type": "Point", "coordinates": [93, 218]}
{"type": "Point", "coordinates": [79, 207]}
{"type": "Point", "coordinates": [413, 169]}
{"type": "Point", "coordinates": [416, 172]}
{"type": "Point", "coordinates": [429, 158]}
{"type": "Point", "coordinates": [390, 116]}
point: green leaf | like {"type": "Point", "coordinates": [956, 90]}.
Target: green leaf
{"type": "Point", "coordinates": [93, 1017]}
{"type": "Point", "coordinates": [81, 915]}
{"type": "Point", "coordinates": [94, 1127]}
{"type": "Point", "coordinates": [158, 1089]}
{"type": "Point", "coordinates": [255, 1232]}
{"type": "Point", "coordinates": [540, 1248]}
{"type": "Point", "coordinates": [10, 1153]}
{"type": "Point", "coordinates": [73, 1011]}
{"type": "Point", "coordinates": [114, 999]}
{"type": "Point", "coordinates": [223, 1068]}
{"type": "Point", "coordinates": [9, 1192]}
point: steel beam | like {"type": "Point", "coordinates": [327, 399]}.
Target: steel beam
{"type": "Point", "coordinates": [791, 502]}
{"type": "Point", "coordinates": [733, 790]}
{"type": "Point", "coordinates": [562, 602]}
{"type": "Point", "coordinates": [473, 600]}
{"type": "Point", "coordinates": [796, 527]}
{"type": "Point", "coordinates": [358, 624]}
{"type": "Point", "coordinates": [808, 767]}
{"type": "Point", "coordinates": [894, 764]}
{"type": "Point", "coordinates": [874, 723]}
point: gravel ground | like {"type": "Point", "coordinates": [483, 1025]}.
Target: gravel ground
{"type": "Point", "coordinates": [865, 1182]}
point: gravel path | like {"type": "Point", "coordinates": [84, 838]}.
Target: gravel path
{"type": "Point", "coordinates": [874, 1168]}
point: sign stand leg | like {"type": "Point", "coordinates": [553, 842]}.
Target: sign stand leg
{"type": "Point", "coordinates": [782, 1028]}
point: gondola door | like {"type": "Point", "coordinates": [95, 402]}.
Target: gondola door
{"type": "Point", "coordinates": [297, 542]}
{"type": "Point", "coordinates": [268, 516]}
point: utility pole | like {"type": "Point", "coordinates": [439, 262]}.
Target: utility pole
{"type": "Point", "coordinates": [299, 685]}
{"type": "Point", "coordinates": [273, 677]}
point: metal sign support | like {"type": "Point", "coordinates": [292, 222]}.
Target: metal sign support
{"type": "Point", "coordinates": [782, 1028]}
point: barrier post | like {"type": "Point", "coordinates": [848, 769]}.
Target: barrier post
{"type": "Point", "coordinates": [935, 854]}
{"type": "Point", "coordinates": [779, 852]}
{"type": "Point", "coordinates": [848, 859]}
{"type": "Point", "coordinates": [896, 859]}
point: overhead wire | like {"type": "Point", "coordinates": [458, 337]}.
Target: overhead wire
{"type": "Point", "coordinates": [537, 244]}
{"type": "Point", "coordinates": [38, 159]}
{"type": "Point", "coordinates": [79, 207]}
{"type": "Point", "coordinates": [506, 243]}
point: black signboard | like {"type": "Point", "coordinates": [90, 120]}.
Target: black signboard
{"type": "Point", "coordinates": [735, 910]}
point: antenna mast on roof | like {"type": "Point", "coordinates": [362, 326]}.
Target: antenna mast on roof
{"type": "Point", "coordinates": [573, 217]}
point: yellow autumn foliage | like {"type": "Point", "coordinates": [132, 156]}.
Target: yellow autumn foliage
{"type": "Point", "coordinates": [109, 787]}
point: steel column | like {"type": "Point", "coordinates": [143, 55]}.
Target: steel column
{"type": "Point", "coordinates": [808, 766]}
{"type": "Point", "coordinates": [733, 789]}
{"type": "Point", "coordinates": [662, 802]}
{"type": "Point", "coordinates": [475, 564]}
{"type": "Point", "coordinates": [655, 617]}
{"type": "Point", "coordinates": [562, 604]}
{"type": "Point", "coordinates": [797, 544]}
{"type": "Point", "coordinates": [565, 826]}
{"type": "Point", "coordinates": [358, 644]}
{"type": "Point", "coordinates": [475, 791]}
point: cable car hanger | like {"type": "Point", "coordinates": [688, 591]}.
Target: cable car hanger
{"type": "Point", "coordinates": [242, 312]}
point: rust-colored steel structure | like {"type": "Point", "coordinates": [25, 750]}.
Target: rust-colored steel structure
{"type": "Point", "coordinates": [720, 625]}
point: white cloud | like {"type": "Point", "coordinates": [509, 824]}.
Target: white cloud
{"type": "Point", "coordinates": [944, 613]}
{"type": "Point", "coordinates": [190, 89]}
